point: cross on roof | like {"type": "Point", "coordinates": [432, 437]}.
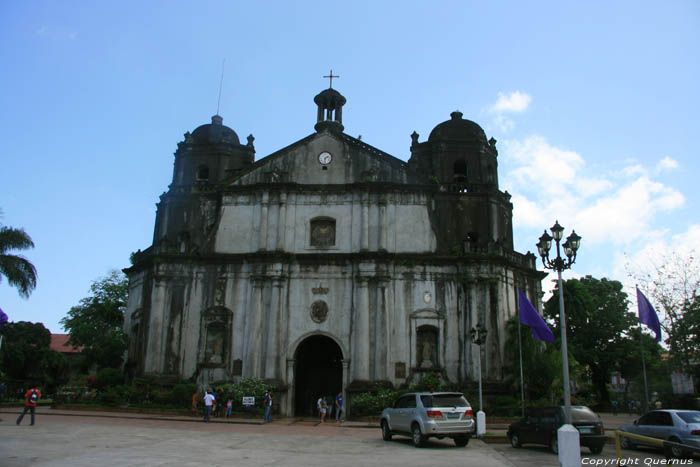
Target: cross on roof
{"type": "Point", "coordinates": [331, 76]}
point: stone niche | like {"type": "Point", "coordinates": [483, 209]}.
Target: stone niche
{"type": "Point", "coordinates": [216, 345]}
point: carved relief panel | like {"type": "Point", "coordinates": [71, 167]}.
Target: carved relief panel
{"type": "Point", "coordinates": [322, 232]}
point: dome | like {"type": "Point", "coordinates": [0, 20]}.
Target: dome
{"type": "Point", "coordinates": [330, 98]}
{"type": "Point", "coordinates": [458, 129]}
{"type": "Point", "coordinates": [214, 133]}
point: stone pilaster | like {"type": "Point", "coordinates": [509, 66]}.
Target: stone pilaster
{"type": "Point", "coordinates": [254, 336]}
{"type": "Point", "coordinates": [282, 222]}
{"type": "Point", "coordinates": [360, 333]}
{"type": "Point", "coordinates": [364, 233]}
{"type": "Point", "coordinates": [382, 225]}
{"type": "Point", "coordinates": [263, 220]}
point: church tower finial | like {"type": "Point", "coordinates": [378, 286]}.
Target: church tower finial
{"type": "Point", "coordinates": [330, 109]}
{"type": "Point", "coordinates": [331, 76]}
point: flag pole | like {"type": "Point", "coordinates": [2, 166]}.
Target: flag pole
{"type": "Point", "coordinates": [644, 371]}
{"type": "Point", "coordinates": [644, 365]}
{"type": "Point", "coordinates": [522, 382]}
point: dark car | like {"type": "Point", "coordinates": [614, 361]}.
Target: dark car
{"type": "Point", "coordinates": [541, 424]}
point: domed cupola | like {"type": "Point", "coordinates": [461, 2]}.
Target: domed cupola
{"type": "Point", "coordinates": [458, 129]}
{"type": "Point", "coordinates": [458, 156]}
{"type": "Point", "coordinates": [210, 154]}
{"type": "Point", "coordinates": [330, 110]}
{"type": "Point", "coordinates": [215, 133]}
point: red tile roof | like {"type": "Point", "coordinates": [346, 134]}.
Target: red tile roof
{"type": "Point", "coordinates": [59, 343]}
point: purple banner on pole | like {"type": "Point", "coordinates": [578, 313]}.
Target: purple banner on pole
{"type": "Point", "coordinates": [530, 317]}
{"type": "Point", "coordinates": [3, 318]}
{"type": "Point", "coordinates": [647, 314]}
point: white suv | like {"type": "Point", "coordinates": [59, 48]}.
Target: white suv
{"type": "Point", "coordinates": [421, 415]}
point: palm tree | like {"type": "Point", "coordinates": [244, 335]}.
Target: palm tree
{"type": "Point", "coordinates": [17, 269]}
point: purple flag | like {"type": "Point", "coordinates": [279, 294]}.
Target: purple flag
{"type": "Point", "coordinates": [530, 317]}
{"type": "Point", "coordinates": [3, 318]}
{"type": "Point", "coordinates": [647, 315]}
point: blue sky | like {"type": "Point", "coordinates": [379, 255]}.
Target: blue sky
{"type": "Point", "coordinates": [594, 106]}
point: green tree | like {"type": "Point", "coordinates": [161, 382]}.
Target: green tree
{"type": "Point", "coordinates": [96, 324]}
{"type": "Point", "coordinates": [672, 284]}
{"type": "Point", "coordinates": [17, 269]}
{"type": "Point", "coordinates": [597, 320]}
{"type": "Point", "coordinates": [630, 367]}
{"type": "Point", "coordinates": [27, 358]}
{"type": "Point", "coordinates": [542, 365]}
{"type": "Point", "coordinates": [686, 345]}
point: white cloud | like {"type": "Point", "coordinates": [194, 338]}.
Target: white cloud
{"type": "Point", "coordinates": [514, 102]}
{"type": "Point", "coordinates": [627, 213]}
{"type": "Point", "coordinates": [667, 163]}
{"type": "Point", "coordinates": [612, 208]}
{"type": "Point", "coordinates": [652, 250]}
{"type": "Point", "coordinates": [543, 167]}
{"type": "Point", "coordinates": [503, 123]}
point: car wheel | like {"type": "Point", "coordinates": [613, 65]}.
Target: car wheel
{"type": "Point", "coordinates": [554, 444]}
{"type": "Point", "coordinates": [461, 441]}
{"type": "Point", "coordinates": [596, 449]}
{"type": "Point", "coordinates": [515, 440]}
{"type": "Point", "coordinates": [417, 437]}
{"type": "Point", "coordinates": [674, 451]}
{"type": "Point", "coordinates": [386, 432]}
{"type": "Point", "coordinates": [626, 443]}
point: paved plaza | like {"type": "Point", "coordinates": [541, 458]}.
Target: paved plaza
{"type": "Point", "coordinates": [76, 439]}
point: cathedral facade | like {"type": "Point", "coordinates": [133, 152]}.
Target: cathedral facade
{"type": "Point", "coordinates": [328, 264]}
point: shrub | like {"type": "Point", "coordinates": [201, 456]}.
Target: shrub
{"type": "Point", "coordinates": [430, 383]}
{"type": "Point", "coordinates": [114, 395]}
{"type": "Point", "coordinates": [109, 377]}
{"type": "Point", "coordinates": [372, 403]}
{"type": "Point", "coordinates": [182, 394]}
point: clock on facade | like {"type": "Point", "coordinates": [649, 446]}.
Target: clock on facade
{"type": "Point", "coordinates": [325, 158]}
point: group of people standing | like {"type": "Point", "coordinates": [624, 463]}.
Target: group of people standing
{"type": "Point", "coordinates": [325, 410]}
{"type": "Point", "coordinates": [210, 405]}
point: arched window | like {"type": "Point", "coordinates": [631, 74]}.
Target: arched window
{"type": "Point", "coordinates": [459, 171]}
{"type": "Point", "coordinates": [322, 232]}
{"type": "Point", "coordinates": [202, 173]}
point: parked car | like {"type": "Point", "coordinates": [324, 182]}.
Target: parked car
{"type": "Point", "coordinates": [541, 424]}
{"type": "Point", "coordinates": [423, 415]}
{"type": "Point", "coordinates": [679, 426]}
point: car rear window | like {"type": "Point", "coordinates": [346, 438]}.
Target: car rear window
{"type": "Point", "coordinates": [583, 414]}
{"type": "Point", "coordinates": [689, 417]}
{"type": "Point", "coordinates": [444, 400]}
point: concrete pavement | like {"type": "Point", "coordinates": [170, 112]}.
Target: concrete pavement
{"type": "Point", "coordinates": [495, 428]}
{"type": "Point", "coordinates": [60, 440]}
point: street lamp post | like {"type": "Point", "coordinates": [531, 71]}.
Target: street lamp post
{"type": "Point", "coordinates": [560, 264]}
{"type": "Point", "coordinates": [478, 337]}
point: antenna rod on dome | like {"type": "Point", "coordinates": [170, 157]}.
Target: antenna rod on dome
{"type": "Point", "coordinates": [221, 83]}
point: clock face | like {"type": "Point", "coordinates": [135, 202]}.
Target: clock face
{"type": "Point", "coordinates": [325, 158]}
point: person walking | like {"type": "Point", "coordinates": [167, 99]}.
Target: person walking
{"type": "Point", "coordinates": [195, 400]}
{"type": "Point", "coordinates": [339, 408]}
{"type": "Point", "coordinates": [32, 396]}
{"type": "Point", "coordinates": [324, 409]}
{"type": "Point", "coordinates": [3, 388]}
{"type": "Point", "coordinates": [268, 406]}
{"type": "Point", "coordinates": [209, 400]}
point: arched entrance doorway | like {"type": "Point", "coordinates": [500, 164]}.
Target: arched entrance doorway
{"type": "Point", "coordinates": [318, 372]}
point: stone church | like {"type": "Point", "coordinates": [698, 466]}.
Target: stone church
{"type": "Point", "coordinates": [328, 264]}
